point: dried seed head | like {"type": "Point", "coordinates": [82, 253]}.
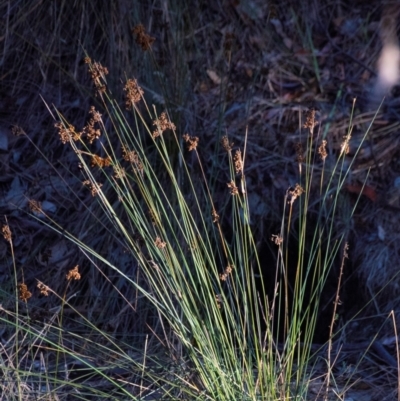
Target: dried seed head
{"type": "Point", "coordinates": [154, 265]}
{"type": "Point", "coordinates": [142, 38]}
{"type": "Point", "coordinates": [219, 300]}
{"type": "Point", "coordinates": [294, 193]}
{"type": "Point", "coordinates": [96, 116]}
{"type": "Point", "coordinates": [119, 172]}
{"type": "Point", "coordinates": [233, 188]}
{"type": "Point", "coordinates": [277, 239]}
{"type": "Point", "coordinates": [92, 133]}
{"type": "Point", "coordinates": [128, 155]}
{"type": "Point", "coordinates": [159, 243]}
{"type": "Point", "coordinates": [345, 250]}
{"type": "Point", "coordinates": [17, 130]}
{"type": "Point", "coordinates": [6, 233]}
{"type": "Point", "coordinates": [98, 74]}
{"type": "Point", "coordinates": [322, 150]}
{"type": "Point", "coordinates": [35, 206]}
{"type": "Point", "coordinates": [44, 290]}
{"type": "Point", "coordinates": [133, 94]}
{"type": "Point", "coordinates": [223, 277]}
{"type": "Point", "coordinates": [215, 216]}
{"type": "Point", "coordinates": [345, 145]}
{"type": "Point", "coordinates": [90, 130]}
{"type": "Point", "coordinates": [238, 161]}
{"type": "Point", "coordinates": [132, 157]}
{"type": "Point", "coordinates": [162, 123]}
{"type": "Point", "coordinates": [228, 270]}
{"type": "Point", "coordinates": [73, 274]}
{"type": "Point", "coordinates": [24, 294]}
{"type": "Point", "coordinates": [299, 153]}
{"type": "Point", "coordinates": [192, 141]}
{"type": "Point", "coordinates": [100, 161]}
{"type": "Point", "coordinates": [226, 144]}
{"type": "Point", "coordinates": [311, 122]}
{"type": "Point", "coordinates": [94, 189]}
{"type": "Point", "coordinates": [67, 133]}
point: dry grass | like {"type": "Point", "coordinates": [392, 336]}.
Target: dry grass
{"type": "Point", "coordinates": [220, 68]}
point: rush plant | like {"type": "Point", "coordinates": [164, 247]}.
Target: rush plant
{"type": "Point", "coordinates": [215, 331]}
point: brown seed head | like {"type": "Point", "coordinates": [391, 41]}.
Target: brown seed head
{"type": "Point", "coordinates": [192, 141]}
{"type": "Point", "coordinates": [132, 157]}
{"type": "Point", "coordinates": [162, 123]}
{"type": "Point", "coordinates": [24, 294]}
{"type": "Point", "coordinates": [133, 94]}
{"type": "Point", "coordinates": [73, 274]}
{"type": "Point", "coordinates": [100, 161]}
{"type": "Point", "coordinates": [44, 290]}
{"type": "Point", "coordinates": [299, 152]}
{"type": "Point", "coordinates": [219, 300]}
{"type": "Point", "coordinates": [345, 145]}
{"type": "Point", "coordinates": [277, 239]}
{"type": "Point", "coordinates": [67, 132]}
{"type": "Point", "coordinates": [159, 243]}
{"type": "Point", "coordinates": [98, 74]}
{"type": "Point", "coordinates": [238, 161]}
{"type": "Point", "coordinates": [119, 172]}
{"type": "Point", "coordinates": [226, 144]}
{"type": "Point", "coordinates": [322, 150]}
{"type": "Point", "coordinates": [142, 38]}
{"type": "Point", "coordinates": [93, 188]}
{"type": "Point", "coordinates": [311, 122]}
{"type": "Point", "coordinates": [233, 188]}
{"type": "Point", "coordinates": [228, 270]}
{"type": "Point", "coordinates": [6, 233]}
{"type": "Point", "coordinates": [17, 130]}
{"type": "Point", "coordinates": [35, 206]}
{"type": "Point", "coordinates": [215, 216]}
{"type": "Point", "coordinates": [294, 193]}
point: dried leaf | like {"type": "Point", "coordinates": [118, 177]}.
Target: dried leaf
{"type": "Point", "coordinates": [214, 77]}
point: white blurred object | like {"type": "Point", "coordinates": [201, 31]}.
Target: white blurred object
{"type": "Point", "coordinates": [389, 59]}
{"type": "Point", "coordinates": [388, 69]}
